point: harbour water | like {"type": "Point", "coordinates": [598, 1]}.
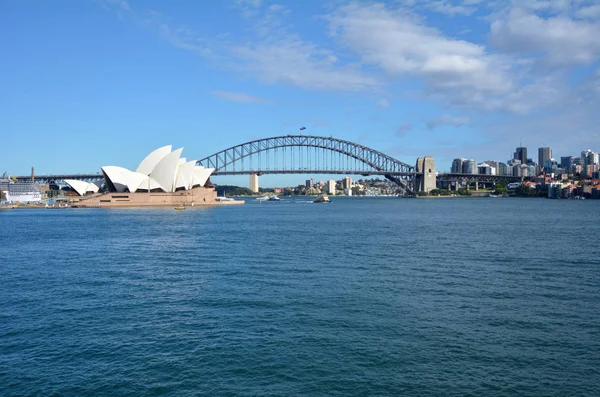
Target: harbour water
{"type": "Point", "coordinates": [364, 296]}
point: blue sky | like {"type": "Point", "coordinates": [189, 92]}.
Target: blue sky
{"type": "Point", "coordinates": [101, 82]}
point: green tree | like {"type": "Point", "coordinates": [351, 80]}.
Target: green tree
{"type": "Point", "coordinates": [2, 195]}
{"type": "Point", "coordinates": [356, 191]}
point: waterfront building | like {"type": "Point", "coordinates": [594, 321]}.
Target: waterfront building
{"type": "Point", "coordinates": [162, 178]}
{"type": "Point", "coordinates": [331, 187]}
{"type": "Point", "coordinates": [457, 166]}
{"type": "Point", "coordinates": [544, 154]}
{"type": "Point", "coordinates": [347, 183]}
{"type": "Point", "coordinates": [162, 170]}
{"type": "Point", "coordinates": [555, 190]}
{"type": "Point", "coordinates": [469, 167]}
{"type": "Point", "coordinates": [521, 154]}
{"type": "Point", "coordinates": [309, 183]}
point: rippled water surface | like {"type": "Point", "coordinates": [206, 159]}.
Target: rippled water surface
{"type": "Point", "coordinates": [398, 297]}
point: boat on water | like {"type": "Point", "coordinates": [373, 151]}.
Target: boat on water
{"type": "Point", "coordinates": [322, 198]}
{"type": "Point", "coordinates": [274, 198]}
{"type": "Point", "coordinates": [180, 208]}
{"type": "Point", "coordinates": [225, 199]}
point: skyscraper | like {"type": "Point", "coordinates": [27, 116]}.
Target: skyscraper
{"type": "Point", "coordinates": [521, 154]}
{"type": "Point", "coordinates": [457, 166]}
{"type": "Point", "coordinates": [544, 153]}
{"type": "Point", "coordinates": [347, 183]}
{"type": "Point", "coordinates": [469, 167]}
{"type": "Point", "coordinates": [566, 163]}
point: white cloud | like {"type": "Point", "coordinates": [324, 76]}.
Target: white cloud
{"type": "Point", "coordinates": [239, 97]}
{"type": "Point", "coordinates": [448, 120]}
{"type": "Point", "coordinates": [248, 3]}
{"type": "Point", "coordinates": [446, 7]}
{"type": "Point", "coordinates": [589, 12]}
{"type": "Point", "coordinates": [557, 40]}
{"type": "Point", "coordinates": [290, 60]}
{"type": "Point", "coordinates": [401, 44]}
{"type": "Point", "coordinates": [383, 103]}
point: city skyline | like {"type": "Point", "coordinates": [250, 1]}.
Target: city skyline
{"type": "Point", "coordinates": [447, 79]}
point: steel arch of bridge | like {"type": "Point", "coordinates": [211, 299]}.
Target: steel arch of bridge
{"type": "Point", "coordinates": [376, 162]}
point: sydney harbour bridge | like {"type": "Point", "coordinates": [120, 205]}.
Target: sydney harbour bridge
{"type": "Point", "coordinates": [307, 154]}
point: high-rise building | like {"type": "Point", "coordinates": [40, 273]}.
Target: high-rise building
{"type": "Point", "coordinates": [589, 157]}
{"type": "Point", "coordinates": [503, 169]}
{"type": "Point", "coordinates": [469, 167]}
{"type": "Point", "coordinates": [457, 166]}
{"type": "Point", "coordinates": [566, 163]}
{"type": "Point", "coordinates": [590, 162]}
{"type": "Point", "coordinates": [485, 169]}
{"type": "Point", "coordinates": [309, 183]}
{"type": "Point", "coordinates": [544, 153]}
{"type": "Point", "coordinates": [331, 187]}
{"type": "Point", "coordinates": [493, 164]}
{"type": "Point", "coordinates": [347, 183]}
{"type": "Point", "coordinates": [521, 154]}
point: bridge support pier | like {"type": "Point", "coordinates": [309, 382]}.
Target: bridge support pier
{"type": "Point", "coordinates": [254, 183]}
{"type": "Point", "coordinates": [425, 179]}
{"type": "Point", "coordinates": [476, 186]}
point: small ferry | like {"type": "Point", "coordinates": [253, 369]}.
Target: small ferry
{"type": "Point", "coordinates": [180, 208]}
{"type": "Point", "coordinates": [274, 198]}
{"type": "Point", "coordinates": [322, 198]}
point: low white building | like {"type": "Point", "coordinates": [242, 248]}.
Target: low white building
{"type": "Point", "coordinates": [162, 170]}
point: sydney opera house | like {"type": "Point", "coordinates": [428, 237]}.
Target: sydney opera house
{"type": "Point", "coordinates": [162, 178]}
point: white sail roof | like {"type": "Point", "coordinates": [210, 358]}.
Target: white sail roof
{"type": "Point", "coordinates": [185, 175]}
{"type": "Point", "coordinates": [148, 164]}
{"type": "Point", "coordinates": [201, 175]}
{"type": "Point", "coordinates": [161, 169]}
{"type": "Point", "coordinates": [165, 171]}
{"type": "Point", "coordinates": [117, 176]}
{"type": "Point", "coordinates": [122, 178]}
{"type": "Point", "coordinates": [82, 187]}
